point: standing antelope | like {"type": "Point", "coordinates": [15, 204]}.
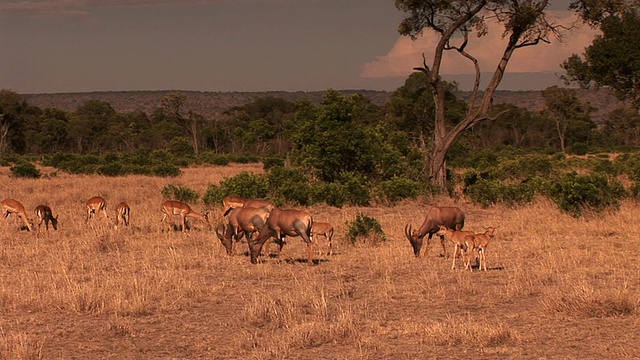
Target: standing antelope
{"type": "Point", "coordinates": [122, 214]}
{"type": "Point", "coordinates": [283, 223]}
{"type": "Point", "coordinates": [94, 205]}
{"type": "Point", "coordinates": [11, 206]}
{"type": "Point", "coordinates": [325, 229]}
{"type": "Point", "coordinates": [449, 216]}
{"type": "Point", "coordinates": [481, 241]}
{"type": "Point", "coordinates": [171, 207]}
{"type": "Point", "coordinates": [231, 202]}
{"type": "Point", "coordinates": [44, 214]}
{"type": "Point", "coordinates": [463, 242]}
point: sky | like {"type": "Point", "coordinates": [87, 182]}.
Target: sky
{"type": "Point", "coordinates": [54, 46]}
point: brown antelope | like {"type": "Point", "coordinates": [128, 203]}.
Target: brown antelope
{"type": "Point", "coordinates": [11, 206]}
{"type": "Point", "coordinates": [325, 229]}
{"type": "Point", "coordinates": [122, 214]}
{"type": "Point", "coordinates": [462, 242]}
{"type": "Point", "coordinates": [44, 214]}
{"type": "Point", "coordinates": [171, 207]}
{"type": "Point", "coordinates": [449, 216]}
{"type": "Point", "coordinates": [257, 203]}
{"type": "Point", "coordinates": [94, 205]}
{"type": "Point", "coordinates": [481, 241]}
{"type": "Point", "coordinates": [231, 202]}
{"type": "Point", "coordinates": [283, 223]}
{"type": "Point", "coordinates": [242, 222]}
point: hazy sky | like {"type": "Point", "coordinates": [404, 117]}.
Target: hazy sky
{"type": "Point", "coordinates": [235, 45]}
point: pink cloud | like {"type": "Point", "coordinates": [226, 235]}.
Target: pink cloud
{"type": "Point", "coordinates": [407, 54]}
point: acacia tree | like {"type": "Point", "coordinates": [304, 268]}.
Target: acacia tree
{"type": "Point", "coordinates": [525, 24]}
{"type": "Point", "coordinates": [568, 113]}
{"type": "Point", "coordinates": [612, 59]}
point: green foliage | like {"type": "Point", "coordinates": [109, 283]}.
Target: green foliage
{"type": "Point", "coordinates": [180, 193]}
{"type": "Point", "coordinates": [366, 229]}
{"type": "Point", "coordinates": [111, 169]}
{"type": "Point", "coordinates": [181, 147]}
{"type": "Point", "coordinates": [25, 169]}
{"type": "Point", "coordinates": [398, 188]}
{"type": "Point", "coordinates": [166, 170]}
{"type": "Point", "coordinates": [272, 161]}
{"type": "Point", "coordinates": [245, 184]}
{"type": "Point", "coordinates": [213, 158]}
{"type": "Point", "coordinates": [290, 184]}
{"type": "Point", "coordinates": [596, 192]}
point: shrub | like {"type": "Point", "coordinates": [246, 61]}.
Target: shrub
{"type": "Point", "coordinates": [595, 191]}
{"type": "Point", "coordinates": [166, 170]}
{"type": "Point", "coordinates": [25, 169]}
{"type": "Point", "coordinates": [396, 189]}
{"type": "Point", "coordinates": [181, 147]}
{"type": "Point", "coordinates": [183, 194]}
{"type": "Point", "coordinates": [333, 194]}
{"type": "Point", "coordinates": [244, 184]}
{"type": "Point", "coordinates": [270, 162]}
{"type": "Point", "coordinates": [213, 158]}
{"type": "Point", "coordinates": [365, 228]}
{"type": "Point", "coordinates": [290, 184]}
{"type": "Point", "coordinates": [111, 169]}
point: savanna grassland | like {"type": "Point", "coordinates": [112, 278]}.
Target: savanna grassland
{"type": "Point", "coordinates": [557, 287]}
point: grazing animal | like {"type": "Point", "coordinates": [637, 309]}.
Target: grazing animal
{"type": "Point", "coordinates": [325, 229]}
{"type": "Point", "coordinates": [463, 243]}
{"type": "Point", "coordinates": [449, 216]}
{"type": "Point", "coordinates": [231, 202]}
{"type": "Point", "coordinates": [94, 205]}
{"type": "Point", "coordinates": [11, 206]}
{"type": "Point", "coordinates": [171, 207]}
{"type": "Point", "coordinates": [283, 223]}
{"type": "Point", "coordinates": [123, 213]}
{"type": "Point", "coordinates": [44, 214]}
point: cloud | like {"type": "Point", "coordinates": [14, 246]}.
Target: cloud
{"type": "Point", "coordinates": [407, 54]}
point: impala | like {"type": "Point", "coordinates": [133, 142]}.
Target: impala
{"type": "Point", "coordinates": [463, 243]}
{"type": "Point", "coordinates": [94, 205]}
{"type": "Point", "coordinates": [283, 223]}
{"type": "Point", "coordinates": [44, 214]}
{"type": "Point", "coordinates": [122, 213]}
{"type": "Point", "coordinates": [171, 207]}
{"type": "Point", "coordinates": [11, 206]}
{"type": "Point", "coordinates": [231, 202]}
{"type": "Point", "coordinates": [325, 229]}
{"type": "Point", "coordinates": [449, 216]}
{"type": "Point", "coordinates": [481, 241]}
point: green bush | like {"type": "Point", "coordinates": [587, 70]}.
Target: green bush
{"type": "Point", "coordinates": [396, 189]}
{"type": "Point", "coordinates": [111, 169]}
{"type": "Point", "coordinates": [290, 184]}
{"type": "Point", "coordinates": [25, 169]}
{"type": "Point", "coordinates": [181, 147]}
{"type": "Point", "coordinates": [597, 192]}
{"type": "Point", "coordinates": [166, 170]}
{"type": "Point", "coordinates": [270, 162]}
{"type": "Point", "coordinates": [245, 184]}
{"type": "Point", "coordinates": [333, 194]}
{"type": "Point", "coordinates": [180, 193]}
{"type": "Point", "coordinates": [213, 158]}
{"type": "Point", "coordinates": [366, 229]}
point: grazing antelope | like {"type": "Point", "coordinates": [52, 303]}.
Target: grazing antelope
{"type": "Point", "coordinates": [242, 222]}
{"type": "Point", "coordinates": [463, 242]}
{"type": "Point", "coordinates": [449, 216]}
{"type": "Point", "coordinates": [11, 206]}
{"type": "Point", "coordinates": [325, 229]}
{"type": "Point", "coordinates": [44, 214]}
{"type": "Point", "coordinates": [481, 241]}
{"type": "Point", "coordinates": [231, 202]}
{"type": "Point", "coordinates": [171, 207]}
{"type": "Point", "coordinates": [283, 223]}
{"type": "Point", "coordinates": [122, 214]}
{"type": "Point", "coordinates": [94, 205]}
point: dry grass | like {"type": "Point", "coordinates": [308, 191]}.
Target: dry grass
{"type": "Point", "coordinates": [557, 287]}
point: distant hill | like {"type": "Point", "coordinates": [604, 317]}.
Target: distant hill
{"type": "Point", "coordinates": [211, 103]}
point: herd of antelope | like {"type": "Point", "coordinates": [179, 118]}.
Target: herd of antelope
{"type": "Point", "coordinates": [245, 217]}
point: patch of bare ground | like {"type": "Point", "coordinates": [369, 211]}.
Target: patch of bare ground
{"type": "Point", "coordinates": [557, 287]}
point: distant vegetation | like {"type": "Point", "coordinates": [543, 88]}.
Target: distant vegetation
{"type": "Point", "coordinates": [341, 148]}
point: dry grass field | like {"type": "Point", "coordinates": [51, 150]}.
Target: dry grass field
{"type": "Point", "coordinates": [557, 287]}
